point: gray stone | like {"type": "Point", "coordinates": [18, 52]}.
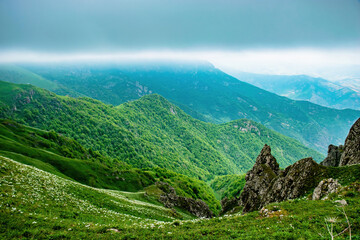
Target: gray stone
{"type": "Point", "coordinates": [324, 188]}
{"type": "Point", "coordinates": [170, 199]}
{"type": "Point", "coordinates": [333, 157]}
{"type": "Point", "coordinates": [265, 183]}
{"type": "Point", "coordinates": [342, 202]}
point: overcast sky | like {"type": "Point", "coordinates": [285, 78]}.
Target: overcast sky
{"type": "Point", "coordinates": [185, 26]}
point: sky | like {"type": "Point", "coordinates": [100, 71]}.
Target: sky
{"type": "Point", "coordinates": [265, 36]}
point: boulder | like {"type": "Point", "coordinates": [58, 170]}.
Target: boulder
{"type": "Point", "coordinates": [324, 188]}
{"type": "Point", "coordinates": [351, 154]}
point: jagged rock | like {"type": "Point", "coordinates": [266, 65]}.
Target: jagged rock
{"type": "Point", "coordinates": [265, 183]}
{"type": "Point", "coordinates": [228, 204]}
{"type": "Point", "coordinates": [351, 154]}
{"type": "Point", "coordinates": [333, 157]}
{"type": "Point", "coordinates": [170, 199]}
{"type": "Point", "coordinates": [324, 188]}
{"type": "Point", "coordinates": [258, 180]}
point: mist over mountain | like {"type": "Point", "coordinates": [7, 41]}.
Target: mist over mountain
{"type": "Point", "coordinates": [203, 92]}
{"type": "Point", "coordinates": [340, 94]}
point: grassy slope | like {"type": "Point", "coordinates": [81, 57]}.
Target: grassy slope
{"type": "Point", "coordinates": [66, 158]}
{"type": "Point", "coordinates": [208, 91]}
{"type": "Point", "coordinates": [150, 132]}
{"type": "Point", "coordinates": [36, 204]}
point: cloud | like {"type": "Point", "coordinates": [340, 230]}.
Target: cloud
{"type": "Point", "coordinates": [107, 25]}
{"type": "Point", "coordinates": [330, 63]}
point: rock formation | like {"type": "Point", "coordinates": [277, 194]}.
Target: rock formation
{"type": "Point", "coordinates": [265, 183]}
{"type": "Point", "coordinates": [333, 157]}
{"type": "Point", "coordinates": [258, 180]}
{"type": "Point", "coordinates": [351, 154]}
{"type": "Point", "coordinates": [170, 199]}
{"type": "Point", "coordinates": [229, 205]}
{"type": "Point", "coordinates": [324, 188]}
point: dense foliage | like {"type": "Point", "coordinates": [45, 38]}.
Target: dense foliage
{"type": "Point", "coordinates": [229, 186]}
{"type": "Point", "coordinates": [204, 89]}
{"type": "Point", "coordinates": [150, 132]}
{"type": "Point", "coordinates": [66, 158]}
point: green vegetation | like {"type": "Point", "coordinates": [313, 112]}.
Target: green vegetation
{"type": "Point", "coordinates": [66, 158]}
{"type": "Point", "coordinates": [229, 186]}
{"type": "Point", "coordinates": [209, 93]}
{"type": "Point", "coordinates": [40, 205]}
{"type": "Point", "coordinates": [150, 132]}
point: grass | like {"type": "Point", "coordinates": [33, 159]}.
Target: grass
{"type": "Point", "coordinates": [40, 205]}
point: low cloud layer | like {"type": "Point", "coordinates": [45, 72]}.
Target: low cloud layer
{"type": "Point", "coordinates": [88, 25]}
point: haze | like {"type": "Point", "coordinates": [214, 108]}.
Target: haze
{"type": "Point", "coordinates": [270, 36]}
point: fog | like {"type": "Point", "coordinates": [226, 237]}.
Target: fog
{"type": "Point", "coordinates": [318, 38]}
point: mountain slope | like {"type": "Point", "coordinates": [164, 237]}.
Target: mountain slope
{"type": "Point", "coordinates": [40, 205]}
{"type": "Point", "coordinates": [206, 90]}
{"type": "Point", "coordinates": [66, 158]}
{"type": "Point", "coordinates": [20, 75]}
{"type": "Point", "coordinates": [149, 132]}
{"type": "Point", "coordinates": [302, 87]}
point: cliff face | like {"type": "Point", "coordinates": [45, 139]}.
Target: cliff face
{"type": "Point", "coordinates": [265, 183]}
{"type": "Point", "coordinates": [351, 154]}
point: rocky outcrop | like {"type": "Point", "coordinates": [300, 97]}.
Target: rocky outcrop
{"type": "Point", "coordinates": [351, 154]}
{"type": "Point", "coordinates": [324, 188]}
{"type": "Point", "coordinates": [333, 157]}
{"type": "Point", "coordinates": [228, 205]}
{"type": "Point", "coordinates": [170, 199]}
{"type": "Point", "coordinates": [266, 183]}
{"type": "Point", "coordinates": [258, 180]}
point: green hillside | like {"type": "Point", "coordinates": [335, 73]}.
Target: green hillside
{"type": "Point", "coordinates": [228, 185]}
{"type": "Point", "coordinates": [149, 132]}
{"type": "Point", "coordinates": [66, 158]}
{"type": "Point", "coordinates": [215, 95]}
{"type": "Point", "coordinates": [39, 205]}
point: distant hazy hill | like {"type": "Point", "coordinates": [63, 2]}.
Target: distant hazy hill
{"type": "Point", "coordinates": [150, 132]}
{"type": "Point", "coordinates": [17, 74]}
{"type": "Point", "coordinates": [205, 93]}
{"type": "Point", "coordinates": [302, 87]}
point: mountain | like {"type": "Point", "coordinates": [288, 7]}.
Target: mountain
{"type": "Point", "coordinates": [352, 83]}
{"type": "Point", "coordinates": [209, 93]}
{"type": "Point", "coordinates": [149, 132]}
{"type": "Point", "coordinates": [302, 87]}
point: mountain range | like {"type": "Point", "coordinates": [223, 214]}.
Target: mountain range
{"type": "Point", "coordinates": [306, 88]}
{"type": "Point", "coordinates": [149, 132]}
{"type": "Point", "coordinates": [204, 92]}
